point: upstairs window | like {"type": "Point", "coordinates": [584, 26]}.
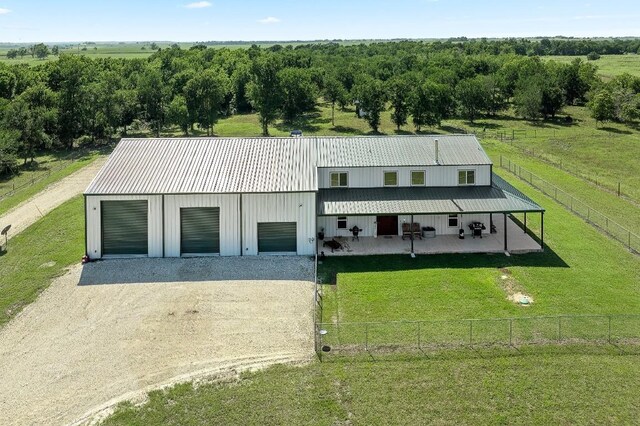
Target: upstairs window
{"type": "Point", "coordinates": [390, 178]}
{"type": "Point", "coordinates": [339, 179]}
{"type": "Point", "coordinates": [466, 177]}
{"type": "Point", "coordinates": [342, 222]}
{"type": "Point", "coordinates": [417, 178]}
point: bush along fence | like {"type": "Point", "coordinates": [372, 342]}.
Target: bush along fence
{"type": "Point", "coordinates": [403, 336]}
{"type": "Point", "coordinates": [579, 208]}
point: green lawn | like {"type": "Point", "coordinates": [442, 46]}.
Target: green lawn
{"type": "Point", "coordinates": [533, 386]}
{"type": "Point", "coordinates": [37, 255]}
{"type": "Point", "coordinates": [608, 65]}
{"type": "Point", "coordinates": [581, 272]}
{"type": "Point", "coordinates": [50, 169]}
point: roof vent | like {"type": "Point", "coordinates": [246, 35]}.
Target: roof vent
{"type": "Point", "coordinates": [437, 153]}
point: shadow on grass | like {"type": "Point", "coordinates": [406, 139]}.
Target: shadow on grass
{"type": "Point", "coordinates": [614, 130]}
{"type": "Point", "coordinates": [331, 266]}
{"type": "Point", "coordinates": [348, 130]}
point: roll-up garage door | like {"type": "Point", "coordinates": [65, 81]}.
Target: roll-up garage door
{"type": "Point", "coordinates": [200, 230]}
{"type": "Point", "coordinates": [125, 227]}
{"type": "Point", "coordinates": [277, 237]}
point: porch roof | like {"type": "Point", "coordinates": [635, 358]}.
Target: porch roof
{"type": "Point", "coordinates": [501, 197]}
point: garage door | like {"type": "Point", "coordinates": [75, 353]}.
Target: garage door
{"type": "Point", "coordinates": [200, 230]}
{"type": "Point", "coordinates": [277, 237]}
{"type": "Point", "coordinates": [124, 227]}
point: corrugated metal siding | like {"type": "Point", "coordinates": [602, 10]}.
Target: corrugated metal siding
{"type": "Point", "coordinates": [229, 205]}
{"type": "Point", "coordinates": [94, 231]}
{"type": "Point", "coordinates": [289, 207]}
{"type": "Point", "coordinates": [372, 177]}
{"type": "Point", "coordinates": [185, 166]}
{"type": "Point", "coordinates": [399, 151]}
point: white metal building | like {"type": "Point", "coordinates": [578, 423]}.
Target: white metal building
{"type": "Point", "coordinates": [253, 196]}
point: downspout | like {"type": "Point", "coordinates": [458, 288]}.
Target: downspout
{"type": "Point", "coordinates": [241, 220]}
{"type": "Point", "coordinates": [163, 229]}
{"type": "Point", "coordinates": [411, 233]}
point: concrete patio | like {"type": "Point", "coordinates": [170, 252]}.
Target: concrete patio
{"type": "Point", "coordinates": [517, 242]}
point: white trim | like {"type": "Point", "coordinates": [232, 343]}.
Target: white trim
{"type": "Point", "coordinates": [384, 172]}
{"type": "Point", "coordinates": [466, 177]}
{"type": "Point", "coordinates": [424, 177]}
{"type": "Point", "coordinates": [338, 173]}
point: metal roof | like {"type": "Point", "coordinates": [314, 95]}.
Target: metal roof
{"type": "Point", "coordinates": [255, 165]}
{"type": "Point", "coordinates": [381, 151]}
{"type": "Point", "coordinates": [212, 165]}
{"type": "Point", "coordinates": [499, 198]}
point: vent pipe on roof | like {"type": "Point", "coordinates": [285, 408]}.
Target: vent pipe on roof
{"type": "Point", "coordinates": [437, 153]}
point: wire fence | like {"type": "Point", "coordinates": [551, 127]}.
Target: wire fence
{"type": "Point", "coordinates": [511, 136]}
{"type": "Point", "coordinates": [11, 188]}
{"type": "Point", "coordinates": [402, 336]}
{"type": "Point", "coordinates": [612, 228]}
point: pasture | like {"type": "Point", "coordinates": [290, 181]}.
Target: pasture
{"type": "Point", "coordinates": [608, 65]}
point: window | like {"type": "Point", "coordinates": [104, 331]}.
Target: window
{"type": "Point", "coordinates": [390, 178]}
{"type": "Point", "coordinates": [466, 177]}
{"type": "Point", "coordinates": [339, 180]}
{"type": "Point", "coordinates": [453, 221]}
{"type": "Point", "coordinates": [342, 222]}
{"type": "Point", "coordinates": [417, 178]}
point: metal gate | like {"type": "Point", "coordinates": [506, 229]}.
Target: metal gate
{"type": "Point", "coordinates": [125, 227]}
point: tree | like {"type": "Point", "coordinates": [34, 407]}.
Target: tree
{"type": "Point", "coordinates": [151, 94]}
{"type": "Point", "coordinates": [40, 51]}
{"type": "Point", "coordinates": [154, 46]}
{"type": "Point", "coordinates": [372, 96]}
{"type": "Point", "coordinates": [399, 90]}
{"type": "Point", "coordinates": [472, 96]}
{"type": "Point", "coordinates": [178, 114]}
{"type": "Point", "coordinates": [205, 95]}
{"type": "Point", "coordinates": [527, 98]}
{"type": "Point", "coordinates": [264, 89]}
{"type": "Point", "coordinates": [69, 77]}
{"type": "Point", "coordinates": [12, 54]}
{"type": "Point", "coordinates": [429, 104]}
{"type": "Point", "coordinates": [334, 92]}
{"type": "Point", "coordinates": [8, 151]}
{"type": "Point", "coordinates": [239, 80]}
{"type": "Point", "coordinates": [126, 101]}
{"type": "Point", "coordinates": [593, 56]}
{"type": "Point", "coordinates": [298, 92]}
{"type": "Point", "coordinates": [602, 106]}
{"type": "Point", "coordinates": [55, 50]}
{"type": "Point", "coordinates": [7, 83]}
{"type": "Point", "coordinates": [22, 51]}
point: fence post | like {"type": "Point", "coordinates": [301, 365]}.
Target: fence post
{"type": "Point", "coordinates": [510, 331]}
{"type": "Point", "coordinates": [470, 332]}
{"type": "Point", "coordinates": [366, 337]}
{"type": "Point", "coordinates": [559, 328]}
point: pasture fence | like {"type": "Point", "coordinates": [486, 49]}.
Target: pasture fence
{"type": "Point", "coordinates": [403, 336]}
{"type": "Point", "coordinates": [599, 220]}
{"type": "Point", "coordinates": [12, 188]}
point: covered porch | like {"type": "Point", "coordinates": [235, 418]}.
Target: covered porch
{"type": "Point", "coordinates": [517, 242]}
{"type": "Point", "coordinates": [476, 219]}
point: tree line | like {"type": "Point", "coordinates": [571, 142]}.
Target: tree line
{"type": "Point", "coordinates": [62, 104]}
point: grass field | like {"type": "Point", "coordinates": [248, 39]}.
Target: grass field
{"type": "Point", "coordinates": [551, 386]}
{"type": "Point", "coordinates": [39, 254]}
{"type": "Point", "coordinates": [581, 272]}
{"type": "Point", "coordinates": [608, 65]}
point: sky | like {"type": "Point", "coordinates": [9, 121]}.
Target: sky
{"type": "Point", "coordinates": [223, 20]}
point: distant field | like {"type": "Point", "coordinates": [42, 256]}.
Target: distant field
{"type": "Point", "coordinates": [608, 65]}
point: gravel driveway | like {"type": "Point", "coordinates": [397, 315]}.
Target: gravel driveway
{"type": "Point", "coordinates": [28, 212]}
{"type": "Point", "coordinates": [114, 329]}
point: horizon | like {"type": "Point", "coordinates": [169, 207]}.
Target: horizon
{"type": "Point", "coordinates": [188, 21]}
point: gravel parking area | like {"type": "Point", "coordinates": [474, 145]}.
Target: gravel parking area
{"type": "Point", "coordinates": [115, 329]}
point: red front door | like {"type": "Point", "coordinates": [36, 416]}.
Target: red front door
{"type": "Point", "coordinates": [387, 225]}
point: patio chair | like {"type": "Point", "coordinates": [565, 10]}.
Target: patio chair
{"type": "Point", "coordinates": [416, 231]}
{"type": "Point", "coordinates": [406, 230]}
{"type": "Point", "coordinates": [333, 245]}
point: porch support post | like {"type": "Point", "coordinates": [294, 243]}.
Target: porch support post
{"type": "Point", "coordinates": [525, 222]}
{"type": "Point", "coordinates": [505, 232]}
{"type": "Point", "coordinates": [411, 234]}
{"type": "Point", "coordinates": [542, 230]}
{"type": "Point", "coordinates": [490, 222]}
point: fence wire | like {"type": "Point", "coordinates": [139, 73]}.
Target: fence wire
{"type": "Point", "coordinates": [596, 218]}
{"type": "Point", "coordinates": [392, 336]}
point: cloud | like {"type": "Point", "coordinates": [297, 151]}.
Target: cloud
{"type": "Point", "coordinates": [4, 11]}
{"type": "Point", "coordinates": [269, 20]}
{"type": "Point", "coordinates": [198, 5]}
